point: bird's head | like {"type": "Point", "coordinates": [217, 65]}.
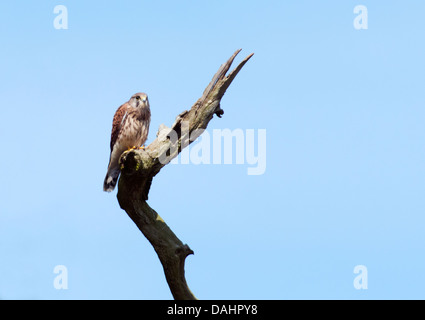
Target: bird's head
{"type": "Point", "coordinates": [139, 100]}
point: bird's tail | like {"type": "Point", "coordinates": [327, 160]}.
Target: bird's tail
{"type": "Point", "coordinates": [111, 179]}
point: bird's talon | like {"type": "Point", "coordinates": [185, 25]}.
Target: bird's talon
{"type": "Point", "coordinates": [136, 148]}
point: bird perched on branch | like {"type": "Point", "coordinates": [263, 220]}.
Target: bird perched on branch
{"type": "Point", "coordinates": [130, 128]}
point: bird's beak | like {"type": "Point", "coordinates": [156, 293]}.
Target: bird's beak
{"type": "Point", "coordinates": [144, 99]}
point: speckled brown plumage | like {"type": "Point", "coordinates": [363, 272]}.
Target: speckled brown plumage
{"type": "Point", "coordinates": [130, 127]}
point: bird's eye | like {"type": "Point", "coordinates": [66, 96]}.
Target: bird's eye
{"type": "Point", "coordinates": [138, 97]}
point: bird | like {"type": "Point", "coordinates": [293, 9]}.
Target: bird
{"type": "Point", "coordinates": [130, 128]}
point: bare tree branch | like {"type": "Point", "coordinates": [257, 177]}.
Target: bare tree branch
{"type": "Point", "coordinates": [138, 167]}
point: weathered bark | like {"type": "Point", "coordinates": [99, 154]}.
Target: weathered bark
{"type": "Point", "coordinates": [138, 167]}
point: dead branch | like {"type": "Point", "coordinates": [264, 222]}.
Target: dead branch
{"type": "Point", "coordinates": [138, 167]}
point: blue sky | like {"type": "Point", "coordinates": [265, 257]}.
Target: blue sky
{"type": "Point", "coordinates": [343, 110]}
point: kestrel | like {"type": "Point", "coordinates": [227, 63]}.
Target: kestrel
{"type": "Point", "coordinates": [130, 128]}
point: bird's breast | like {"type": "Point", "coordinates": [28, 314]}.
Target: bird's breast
{"type": "Point", "coordinates": [133, 132]}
